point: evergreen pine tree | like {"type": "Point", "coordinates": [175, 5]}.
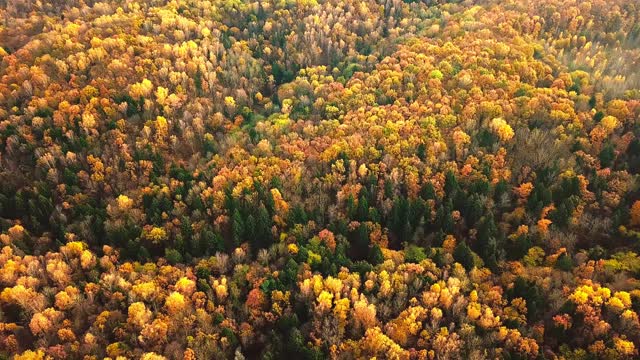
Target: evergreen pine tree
{"type": "Point", "coordinates": [363, 209]}
{"type": "Point", "coordinates": [375, 255]}
{"type": "Point", "coordinates": [237, 229]}
{"type": "Point", "coordinates": [462, 254]}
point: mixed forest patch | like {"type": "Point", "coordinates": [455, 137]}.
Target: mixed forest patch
{"type": "Point", "coordinates": [215, 179]}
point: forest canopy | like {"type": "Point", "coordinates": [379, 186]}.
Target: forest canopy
{"type": "Point", "coordinates": [319, 179]}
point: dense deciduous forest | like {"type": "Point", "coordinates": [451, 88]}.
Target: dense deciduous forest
{"type": "Point", "coordinates": [311, 179]}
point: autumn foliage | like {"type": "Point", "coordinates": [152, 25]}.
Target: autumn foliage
{"type": "Point", "coordinates": [313, 179]}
